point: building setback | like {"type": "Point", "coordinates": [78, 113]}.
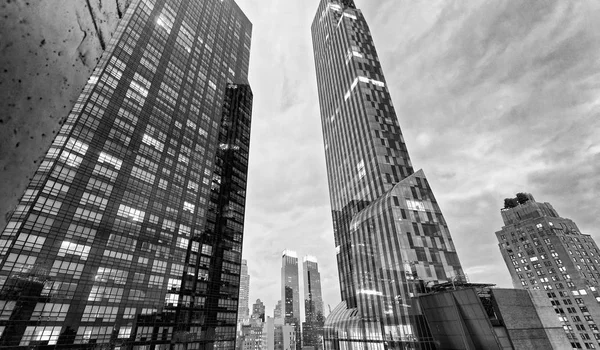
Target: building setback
{"type": "Point", "coordinates": [312, 328]}
{"type": "Point", "coordinates": [130, 232]}
{"type": "Point", "coordinates": [389, 231]}
{"type": "Point", "coordinates": [547, 252]}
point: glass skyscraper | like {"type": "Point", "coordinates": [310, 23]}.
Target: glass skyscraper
{"type": "Point", "coordinates": [312, 327]}
{"type": "Point", "coordinates": [545, 251]}
{"type": "Point", "coordinates": [390, 234]}
{"type": "Point", "coordinates": [129, 235]}
{"type": "Point", "coordinates": [290, 291]}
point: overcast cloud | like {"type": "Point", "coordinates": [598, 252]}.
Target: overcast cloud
{"type": "Point", "coordinates": [494, 98]}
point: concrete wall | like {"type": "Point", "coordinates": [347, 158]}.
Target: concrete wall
{"type": "Point", "coordinates": [530, 319]}
{"type": "Point", "coordinates": [49, 48]}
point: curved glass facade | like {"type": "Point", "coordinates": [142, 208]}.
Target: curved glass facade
{"type": "Point", "coordinates": [390, 234]}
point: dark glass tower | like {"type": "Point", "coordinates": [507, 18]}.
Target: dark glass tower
{"type": "Point", "coordinates": [290, 292]}
{"type": "Point", "coordinates": [312, 327]}
{"type": "Point", "coordinates": [390, 234]}
{"type": "Point", "coordinates": [545, 251]}
{"type": "Point", "coordinates": [130, 233]}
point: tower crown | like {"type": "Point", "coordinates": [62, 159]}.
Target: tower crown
{"type": "Point", "coordinates": [524, 207]}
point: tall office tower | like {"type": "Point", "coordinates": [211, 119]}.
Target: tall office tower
{"type": "Point", "coordinates": [545, 251]}
{"type": "Point", "coordinates": [389, 230]}
{"type": "Point", "coordinates": [243, 302]}
{"type": "Point", "coordinates": [129, 235]}
{"type": "Point", "coordinates": [312, 327]}
{"type": "Point", "coordinates": [290, 288]}
{"type": "Point", "coordinates": [290, 291]}
{"type": "Point", "coordinates": [258, 310]}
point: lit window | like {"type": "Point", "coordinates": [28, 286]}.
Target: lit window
{"type": "Point", "coordinates": [40, 334]}
{"type": "Point", "coordinates": [174, 284]}
{"type": "Point", "coordinates": [182, 242]}
{"type": "Point", "coordinates": [149, 140]}
{"type": "Point", "coordinates": [111, 275]}
{"type": "Point", "coordinates": [50, 312]}
{"type": "Point", "coordinates": [77, 146]}
{"type": "Point", "coordinates": [128, 212]}
{"type": "Point", "coordinates": [184, 159]}
{"type": "Point", "coordinates": [172, 299]}
{"type": "Point", "coordinates": [107, 158]}
{"type": "Point", "coordinates": [206, 249]}
{"type": "Point", "coordinates": [71, 159]}
{"type": "Point", "coordinates": [67, 247]}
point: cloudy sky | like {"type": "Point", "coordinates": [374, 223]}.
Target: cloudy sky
{"type": "Point", "coordinates": [494, 97]}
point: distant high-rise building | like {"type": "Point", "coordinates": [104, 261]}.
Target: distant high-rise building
{"type": "Point", "coordinates": [252, 335]}
{"type": "Point", "coordinates": [390, 234]}
{"type": "Point", "coordinates": [290, 291]}
{"type": "Point", "coordinates": [130, 233]}
{"type": "Point", "coordinates": [243, 302]}
{"type": "Point", "coordinates": [258, 310]}
{"type": "Point", "coordinates": [277, 314]}
{"type": "Point", "coordinates": [312, 327]}
{"type": "Point", "coordinates": [290, 287]}
{"type": "Point", "coordinates": [545, 251]}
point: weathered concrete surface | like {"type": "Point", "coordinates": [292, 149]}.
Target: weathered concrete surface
{"type": "Point", "coordinates": [48, 50]}
{"type": "Point", "coordinates": [530, 319]}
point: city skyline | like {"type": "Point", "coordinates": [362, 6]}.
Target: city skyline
{"type": "Point", "coordinates": [506, 133]}
{"type": "Point", "coordinates": [502, 157]}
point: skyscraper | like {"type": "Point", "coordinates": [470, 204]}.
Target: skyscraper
{"type": "Point", "coordinates": [390, 234]}
{"type": "Point", "coordinates": [243, 302]}
{"type": "Point", "coordinates": [129, 234]}
{"type": "Point", "coordinates": [312, 327]}
{"type": "Point", "coordinates": [258, 311]}
{"type": "Point", "coordinates": [290, 291]}
{"type": "Point", "coordinates": [545, 251]}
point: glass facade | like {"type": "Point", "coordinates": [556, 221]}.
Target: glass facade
{"type": "Point", "coordinates": [129, 235]}
{"type": "Point", "coordinates": [390, 234]}
{"type": "Point", "coordinates": [312, 327]}
{"type": "Point", "coordinates": [290, 292]}
{"type": "Point", "coordinates": [547, 252]}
